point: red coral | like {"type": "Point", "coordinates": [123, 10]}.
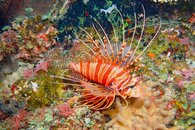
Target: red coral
{"type": "Point", "coordinates": [187, 73]}
{"type": "Point", "coordinates": [42, 66]}
{"type": "Point", "coordinates": [13, 89]}
{"type": "Point", "coordinates": [18, 120]}
{"type": "Point", "coordinates": [3, 116]}
{"type": "Point", "coordinates": [192, 19]}
{"type": "Point", "coordinates": [65, 110]}
{"type": "Point", "coordinates": [184, 40]}
{"type": "Point", "coordinates": [8, 43]}
{"type": "Point", "coordinates": [191, 96]}
{"type": "Point", "coordinates": [28, 73]}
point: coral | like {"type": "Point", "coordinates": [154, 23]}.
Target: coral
{"type": "Point", "coordinates": [18, 121]}
{"type": "Point", "coordinates": [36, 37]}
{"type": "Point", "coordinates": [12, 78]}
{"type": "Point", "coordinates": [149, 111]}
{"type": "Point", "coordinates": [85, 118]}
{"type": "Point", "coordinates": [65, 110]}
{"type": "Point", "coordinates": [191, 96]}
{"type": "Point", "coordinates": [34, 89]}
{"type": "Point", "coordinates": [192, 19]}
{"type": "Point", "coordinates": [3, 116]}
{"type": "Point", "coordinates": [28, 39]}
{"type": "Point", "coordinates": [9, 43]}
{"type": "Point", "coordinates": [42, 66]}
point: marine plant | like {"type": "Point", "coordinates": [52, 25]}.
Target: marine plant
{"type": "Point", "coordinates": [33, 90]}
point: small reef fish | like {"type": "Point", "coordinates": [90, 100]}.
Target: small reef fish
{"type": "Point", "coordinates": [109, 10]}
{"type": "Point", "coordinates": [110, 70]}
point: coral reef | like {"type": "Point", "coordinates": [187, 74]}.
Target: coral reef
{"type": "Point", "coordinates": [32, 98]}
{"type": "Point", "coordinates": [37, 36]}
{"type": "Point", "coordinates": [150, 111]}
{"type": "Point", "coordinates": [15, 76]}
{"type": "Point", "coordinates": [8, 43]}
{"type": "Point", "coordinates": [28, 39]}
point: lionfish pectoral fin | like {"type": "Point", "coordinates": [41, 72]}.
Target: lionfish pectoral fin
{"type": "Point", "coordinates": [96, 97]}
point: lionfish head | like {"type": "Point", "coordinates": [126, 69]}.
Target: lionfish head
{"type": "Point", "coordinates": [130, 89]}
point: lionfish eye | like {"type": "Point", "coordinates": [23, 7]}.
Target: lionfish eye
{"type": "Point", "coordinates": [131, 86]}
{"type": "Point", "coordinates": [111, 83]}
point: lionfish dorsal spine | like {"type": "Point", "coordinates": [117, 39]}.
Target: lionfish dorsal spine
{"type": "Point", "coordinates": [107, 40]}
{"type": "Point", "coordinates": [121, 52]}
{"type": "Point", "coordinates": [150, 40]}
{"type": "Point", "coordinates": [129, 50]}
{"type": "Point", "coordinates": [101, 42]}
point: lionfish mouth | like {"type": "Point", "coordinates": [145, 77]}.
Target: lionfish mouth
{"type": "Point", "coordinates": [110, 62]}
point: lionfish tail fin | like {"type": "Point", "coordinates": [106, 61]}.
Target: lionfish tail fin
{"type": "Point", "coordinates": [96, 97]}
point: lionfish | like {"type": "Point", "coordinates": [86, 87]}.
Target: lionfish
{"type": "Point", "coordinates": [109, 72]}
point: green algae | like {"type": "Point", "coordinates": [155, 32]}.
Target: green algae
{"type": "Point", "coordinates": [46, 92]}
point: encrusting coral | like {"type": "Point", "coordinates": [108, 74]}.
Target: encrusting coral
{"type": "Point", "coordinates": [150, 111]}
{"type": "Point", "coordinates": [8, 43]}
{"type": "Point", "coordinates": [28, 39]}
{"type": "Point", "coordinates": [37, 36]}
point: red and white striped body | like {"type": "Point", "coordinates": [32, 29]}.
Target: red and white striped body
{"type": "Point", "coordinates": [108, 75]}
{"type": "Point", "coordinates": [112, 70]}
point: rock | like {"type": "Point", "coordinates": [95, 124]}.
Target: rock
{"type": "Point", "coordinates": [7, 66]}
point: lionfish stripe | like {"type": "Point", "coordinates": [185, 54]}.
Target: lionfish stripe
{"type": "Point", "coordinates": [121, 83]}
{"type": "Point", "coordinates": [117, 72]}
{"type": "Point", "coordinates": [142, 31]}
{"type": "Point", "coordinates": [101, 40]}
{"type": "Point", "coordinates": [97, 69]}
{"type": "Point", "coordinates": [80, 68]}
{"type": "Point", "coordinates": [122, 79]}
{"type": "Point", "coordinates": [84, 68]}
{"type": "Point", "coordinates": [133, 81]}
{"type": "Point", "coordinates": [104, 72]}
{"type": "Point", "coordinates": [125, 83]}
{"type": "Point", "coordinates": [100, 73]}
{"type": "Point", "coordinates": [106, 75]}
{"type": "Point", "coordinates": [93, 67]}
{"type": "Point", "coordinates": [98, 102]}
{"type": "Point", "coordinates": [88, 72]}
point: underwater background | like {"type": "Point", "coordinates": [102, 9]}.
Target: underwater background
{"type": "Point", "coordinates": [40, 38]}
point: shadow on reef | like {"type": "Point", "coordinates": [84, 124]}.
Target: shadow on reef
{"type": "Point", "coordinates": [8, 9]}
